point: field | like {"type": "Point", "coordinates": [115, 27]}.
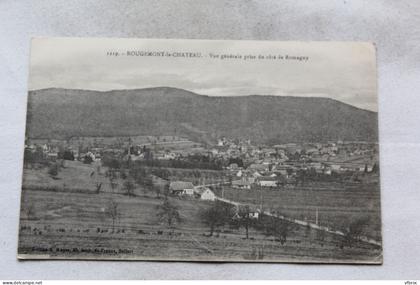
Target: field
{"type": "Point", "coordinates": [65, 222]}
{"type": "Point", "coordinates": [337, 204]}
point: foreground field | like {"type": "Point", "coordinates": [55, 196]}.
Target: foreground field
{"type": "Point", "coordinates": [65, 217]}
{"type": "Point", "coordinates": [337, 205]}
{"type": "Point", "coordinates": [76, 225]}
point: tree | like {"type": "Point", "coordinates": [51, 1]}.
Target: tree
{"type": "Point", "coordinates": [53, 170]}
{"type": "Point", "coordinates": [354, 231]}
{"type": "Point", "coordinates": [129, 187]}
{"type": "Point", "coordinates": [113, 212]}
{"type": "Point", "coordinates": [123, 175]}
{"type": "Point", "coordinates": [300, 177]}
{"type": "Point", "coordinates": [66, 155]}
{"type": "Point", "coordinates": [111, 162]}
{"type": "Point", "coordinates": [98, 187]}
{"type": "Point", "coordinates": [321, 235]}
{"type": "Point", "coordinates": [112, 183]}
{"type": "Point", "coordinates": [375, 168]}
{"type": "Point", "coordinates": [157, 189]}
{"type": "Point", "coordinates": [168, 213]}
{"type": "Point", "coordinates": [166, 190]}
{"type": "Point", "coordinates": [276, 227]}
{"type": "Point", "coordinates": [28, 158]}
{"type": "Point", "coordinates": [244, 219]}
{"type": "Point", "coordinates": [87, 159]}
{"type": "Point", "coordinates": [217, 215]}
{"type": "Point", "coordinates": [281, 230]}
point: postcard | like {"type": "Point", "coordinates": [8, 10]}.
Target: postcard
{"type": "Point", "coordinates": [201, 150]}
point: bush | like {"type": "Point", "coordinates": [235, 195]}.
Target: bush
{"type": "Point", "coordinates": [53, 170]}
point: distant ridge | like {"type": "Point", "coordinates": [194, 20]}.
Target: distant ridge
{"type": "Point", "coordinates": [61, 113]}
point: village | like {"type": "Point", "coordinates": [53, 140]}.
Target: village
{"type": "Point", "coordinates": [244, 165]}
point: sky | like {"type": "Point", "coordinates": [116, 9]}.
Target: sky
{"type": "Point", "coordinates": [344, 71]}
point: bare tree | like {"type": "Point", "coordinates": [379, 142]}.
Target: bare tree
{"type": "Point", "coordinates": [53, 170]}
{"type": "Point", "coordinates": [113, 212]}
{"type": "Point", "coordinates": [276, 227]}
{"type": "Point", "coordinates": [354, 231]}
{"type": "Point", "coordinates": [129, 187]}
{"type": "Point", "coordinates": [157, 189]}
{"type": "Point", "coordinates": [168, 213]}
{"type": "Point", "coordinates": [217, 215]}
{"type": "Point", "coordinates": [112, 183]}
{"type": "Point", "coordinates": [244, 219]}
{"type": "Point", "coordinates": [98, 187]}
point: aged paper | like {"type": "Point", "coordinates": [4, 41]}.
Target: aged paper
{"type": "Point", "coordinates": [201, 150]}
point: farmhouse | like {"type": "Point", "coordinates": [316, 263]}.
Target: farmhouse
{"type": "Point", "coordinates": [181, 188]}
{"type": "Point", "coordinates": [241, 184]}
{"type": "Point", "coordinates": [233, 166]}
{"type": "Point", "coordinates": [267, 181]}
{"type": "Point", "coordinates": [327, 171]}
{"type": "Point", "coordinates": [335, 167]}
{"type": "Point", "coordinates": [52, 156]}
{"type": "Point", "coordinates": [204, 193]}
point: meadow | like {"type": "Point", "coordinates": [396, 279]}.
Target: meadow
{"type": "Point", "coordinates": [337, 205]}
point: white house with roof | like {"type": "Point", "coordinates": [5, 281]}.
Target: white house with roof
{"type": "Point", "coordinates": [204, 193]}
{"type": "Point", "coordinates": [252, 211]}
{"type": "Point", "coordinates": [181, 188]}
{"type": "Point", "coordinates": [267, 181]}
{"type": "Point", "coordinates": [241, 184]}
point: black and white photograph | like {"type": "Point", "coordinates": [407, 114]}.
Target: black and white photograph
{"type": "Point", "coordinates": [201, 150]}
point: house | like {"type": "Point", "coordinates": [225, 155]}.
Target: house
{"type": "Point", "coordinates": [181, 188]}
{"type": "Point", "coordinates": [254, 214]}
{"type": "Point", "coordinates": [233, 166]}
{"type": "Point", "coordinates": [241, 184]}
{"type": "Point", "coordinates": [267, 181]}
{"type": "Point", "coordinates": [246, 210]}
{"type": "Point", "coordinates": [250, 179]}
{"type": "Point", "coordinates": [335, 167]}
{"type": "Point", "coordinates": [204, 193]}
{"type": "Point", "coordinates": [52, 156]}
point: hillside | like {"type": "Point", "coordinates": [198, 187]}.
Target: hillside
{"type": "Point", "coordinates": [61, 113]}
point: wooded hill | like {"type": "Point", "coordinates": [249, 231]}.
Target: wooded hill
{"type": "Point", "coordinates": [63, 113]}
